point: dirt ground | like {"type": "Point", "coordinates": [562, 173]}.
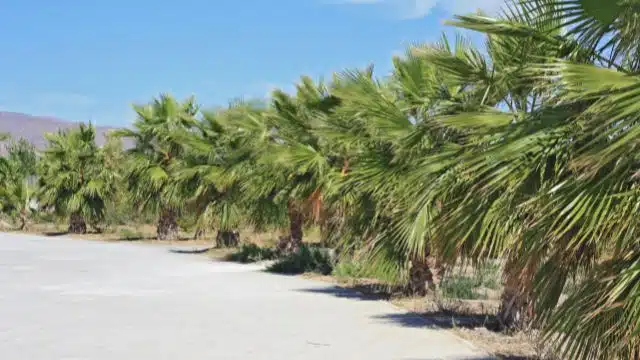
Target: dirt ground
{"type": "Point", "coordinates": [145, 233]}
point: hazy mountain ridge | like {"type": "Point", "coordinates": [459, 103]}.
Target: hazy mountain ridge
{"type": "Point", "coordinates": [33, 128]}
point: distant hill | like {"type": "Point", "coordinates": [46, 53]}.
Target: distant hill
{"type": "Point", "coordinates": [33, 128]}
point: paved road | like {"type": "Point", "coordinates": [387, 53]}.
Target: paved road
{"type": "Point", "coordinates": [73, 299]}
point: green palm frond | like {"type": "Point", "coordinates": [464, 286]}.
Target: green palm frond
{"type": "Point", "coordinates": [73, 175]}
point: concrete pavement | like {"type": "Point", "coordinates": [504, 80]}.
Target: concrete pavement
{"type": "Point", "coordinates": [74, 299]}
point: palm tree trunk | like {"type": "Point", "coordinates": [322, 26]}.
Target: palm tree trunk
{"type": "Point", "coordinates": [199, 234]}
{"type": "Point", "coordinates": [516, 308]}
{"type": "Point", "coordinates": [292, 242]}
{"type": "Point", "coordinates": [425, 275]}
{"type": "Point", "coordinates": [23, 219]}
{"type": "Point", "coordinates": [167, 224]}
{"type": "Point", "coordinates": [226, 238]}
{"type": "Point", "coordinates": [77, 225]}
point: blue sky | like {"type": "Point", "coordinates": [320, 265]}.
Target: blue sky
{"type": "Point", "coordinates": [90, 60]}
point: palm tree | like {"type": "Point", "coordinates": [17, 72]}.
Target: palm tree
{"type": "Point", "coordinates": [17, 172]}
{"type": "Point", "coordinates": [567, 171]}
{"type": "Point", "coordinates": [159, 133]}
{"type": "Point", "coordinates": [73, 178]}
{"type": "Point", "coordinates": [209, 169]}
{"type": "Point", "coordinates": [400, 152]}
{"type": "Point", "coordinates": [16, 200]}
{"type": "Point", "coordinates": [300, 163]}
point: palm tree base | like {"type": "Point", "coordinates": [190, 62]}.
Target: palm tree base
{"type": "Point", "coordinates": [516, 310]}
{"type": "Point", "coordinates": [77, 225]}
{"type": "Point", "coordinates": [225, 239]}
{"type": "Point", "coordinates": [168, 225]}
{"type": "Point", "coordinates": [288, 245]}
{"type": "Point", "coordinates": [199, 234]}
{"type": "Point", "coordinates": [424, 276]}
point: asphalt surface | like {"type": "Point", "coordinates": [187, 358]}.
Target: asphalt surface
{"type": "Point", "coordinates": [73, 299]}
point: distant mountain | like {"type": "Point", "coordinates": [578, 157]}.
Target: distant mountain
{"type": "Point", "coordinates": [33, 128]}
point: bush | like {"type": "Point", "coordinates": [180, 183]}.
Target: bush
{"type": "Point", "coordinates": [45, 217]}
{"type": "Point", "coordinates": [127, 234]}
{"type": "Point", "coordinates": [488, 276]}
{"type": "Point", "coordinates": [306, 259]}
{"type": "Point", "coordinates": [348, 269]}
{"type": "Point", "coordinates": [459, 287]}
{"type": "Point", "coordinates": [249, 253]}
{"type": "Point", "coordinates": [462, 286]}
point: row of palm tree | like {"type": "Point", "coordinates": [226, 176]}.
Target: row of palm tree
{"type": "Point", "coordinates": [521, 150]}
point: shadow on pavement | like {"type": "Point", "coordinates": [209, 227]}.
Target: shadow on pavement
{"type": "Point", "coordinates": [371, 294]}
{"type": "Point", "coordinates": [56, 233]}
{"type": "Point", "coordinates": [341, 292]}
{"type": "Point", "coordinates": [192, 250]}
{"type": "Point", "coordinates": [361, 291]}
{"type": "Point", "coordinates": [440, 319]}
{"type": "Point", "coordinates": [435, 319]}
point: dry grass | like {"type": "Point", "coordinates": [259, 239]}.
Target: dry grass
{"type": "Point", "coordinates": [140, 233]}
{"type": "Point", "coordinates": [143, 233]}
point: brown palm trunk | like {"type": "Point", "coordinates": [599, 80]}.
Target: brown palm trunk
{"type": "Point", "coordinates": [77, 225]}
{"type": "Point", "coordinates": [199, 234]}
{"type": "Point", "coordinates": [292, 242]}
{"type": "Point", "coordinates": [167, 225]}
{"type": "Point", "coordinates": [226, 238]}
{"type": "Point", "coordinates": [516, 309]}
{"type": "Point", "coordinates": [425, 275]}
{"type": "Point", "coordinates": [23, 219]}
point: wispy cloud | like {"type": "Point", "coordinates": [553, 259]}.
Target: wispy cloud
{"type": "Point", "coordinates": [421, 8]}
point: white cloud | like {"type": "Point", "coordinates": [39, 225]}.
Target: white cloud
{"type": "Point", "coordinates": [421, 8]}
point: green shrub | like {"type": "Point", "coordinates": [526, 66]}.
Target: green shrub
{"type": "Point", "coordinates": [348, 269]}
{"type": "Point", "coordinates": [306, 259]}
{"type": "Point", "coordinates": [127, 234]}
{"type": "Point", "coordinates": [459, 287]}
{"type": "Point", "coordinates": [463, 286]}
{"type": "Point", "coordinates": [45, 217]}
{"type": "Point", "coordinates": [249, 253]}
{"type": "Point", "coordinates": [488, 276]}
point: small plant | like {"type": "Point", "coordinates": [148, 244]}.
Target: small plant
{"type": "Point", "coordinates": [45, 217]}
{"type": "Point", "coordinates": [127, 234]}
{"type": "Point", "coordinates": [488, 276]}
{"type": "Point", "coordinates": [348, 269]}
{"type": "Point", "coordinates": [306, 259]}
{"type": "Point", "coordinates": [459, 287]}
{"type": "Point", "coordinates": [465, 286]}
{"type": "Point", "coordinates": [249, 253]}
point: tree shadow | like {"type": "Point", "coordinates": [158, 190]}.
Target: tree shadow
{"type": "Point", "coordinates": [193, 250]}
{"type": "Point", "coordinates": [440, 319]}
{"type": "Point", "coordinates": [134, 238]}
{"type": "Point", "coordinates": [374, 294]}
{"type": "Point", "coordinates": [56, 233]}
{"type": "Point", "coordinates": [445, 319]}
